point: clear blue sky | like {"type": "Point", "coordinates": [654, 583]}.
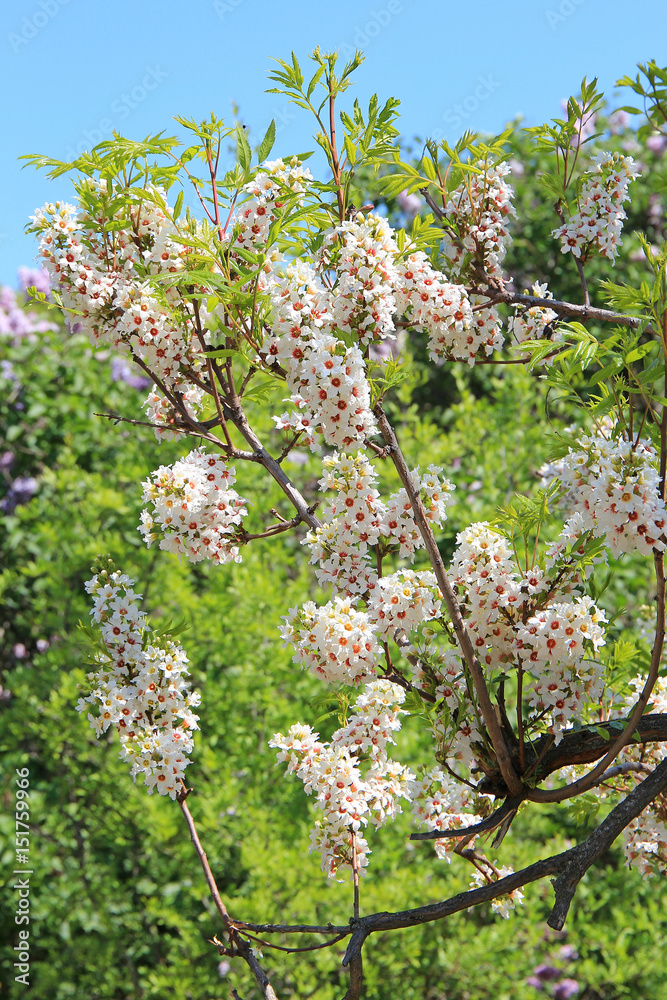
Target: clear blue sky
{"type": "Point", "coordinates": [72, 69]}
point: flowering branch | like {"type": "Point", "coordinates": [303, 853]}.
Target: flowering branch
{"type": "Point", "coordinates": [495, 732]}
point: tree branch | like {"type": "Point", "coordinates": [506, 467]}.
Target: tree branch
{"type": "Point", "coordinates": [580, 858]}
{"type": "Point", "coordinates": [237, 944]}
{"type": "Point", "coordinates": [493, 726]}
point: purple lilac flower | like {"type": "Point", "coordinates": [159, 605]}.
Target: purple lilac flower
{"type": "Point", "coordinates": [7, 459]}
{"type": "Point", "coordinates": [20, 651]}
{"type": "Point", "coordinates": [34, 276]}
{"type": "Point", "coordinates": [566, 989]}
{"type": "Point", "coordinates": [21, 490]}
{"type": "Point", "coordinates": [546, 973]}
{"type": "Point", "coordinates": [410, 203]}
{"type": "Point", "coordinates": [122, 371]}
{"type": "Point", "coordinates": [535, 982]}
{"type": "Point", "coordinates": [7, 371]}
{"type": "Point", "coordinates": [657, 143]}
{"type": "Point", "coordinates": [618, 120]}
{"type": "Point", "coordinates": [568, 953]}
{"type": "Point", "coordinates": [15, 322]}
{"type": "Point", "coordinates": [42, 645]}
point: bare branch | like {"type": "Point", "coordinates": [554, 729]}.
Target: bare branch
{"type": "Point", "coordinates": [237, 944]}
{"type": "Point", "coordinates": [580, 858]}
{"type": "Point", "coordinates": [508, 807]}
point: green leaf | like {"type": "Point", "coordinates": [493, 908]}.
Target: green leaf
{"type": "Point", "coordinates": [178, 205]}
{"type": "Point", "coordinates": [266, 145]}
{"type": "Point", "coordinates": [243, 153]}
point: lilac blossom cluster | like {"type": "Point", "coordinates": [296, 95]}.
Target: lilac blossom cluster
{"type": "Point", "coordinates": [17, 323]}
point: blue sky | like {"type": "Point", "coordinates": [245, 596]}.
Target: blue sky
{"type": "Point", "coordinates": [73, 70]}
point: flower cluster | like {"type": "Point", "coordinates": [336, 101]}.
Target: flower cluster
{"type": "Point", "coordinates": [599, 221]}
{"type": "Point", "coordinates": [404, 600]}
{"type": "Point", "coordinates": [351, 521]}
{"type": "Point", "coordinates": [477, 212]}
{"type": "Point", "coordinates": [645, 840]}
{"type": "Point", "coordinates": [194, 509]}
{"type": "Point", "coordinates": [140, 687]}
{"type": "Point", "coordinates": [327, 380]}
{"type": "Point", "coordinates": [442, 309]}
{"type": "Point", "coordinates": [357, 518]}
{"type": "Point", "coordinates": [614, 486]}
{"type": "Point", "coordinates": [484, 572]}
{"type": "Point", "coordinates": [17, 323]}
{"type": "Point", "coordinates": [553, 643]}
{"type": "Point", "coordinates": [337, 642]}
{"type": "Point", "coordinates": [456, 726]}
{"type": "Point", "coordinates": [443, 803]}
{"type": "Point", "coordinates": [476, 240]}
{"type": "Point", "coordinates": [352, 778]}
{"type": "Point", "coordinates": [512, 622]}
{"type": "Point", "coordinates": [399, 522]}
{"type": "Point", "coordinates": [363, 252]}
{"type": "Point", "coordinates": [502, 905]}
{"type": "Point", "coordinates": [102, 278]}
{"type": "Point", "coordinates": [275, 182]}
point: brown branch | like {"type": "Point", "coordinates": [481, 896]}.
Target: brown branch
{"type": "Point", "coordinates": [570, 865]}
{"type": "Point", "coordinates": [352, 958]}
{"type": "Point", "coordinates": [309, 947]}
{"type": "Point", "coordinates": [274, 529]}
{"type": "Point", "coordinates": [493, 726]}
{"type": "Point", "coordinates": [262, 456]}
{"type": "Point", "coordinates": [237, 944]}
{"type": "Point", "coordinates": [490, 823]}
{"type": "Point", "coordinates": [117, 419]}
{"type": "Point", "coordinates": [561, 307]}
{"type": "Point", "coordinates": [573, 863]}
{"type": "Point", "coordinates": [583, 746]}
{"type": "Point", "coordinates": [293, 928]}
{"type": "Point", "coordinates": [583, 856]}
